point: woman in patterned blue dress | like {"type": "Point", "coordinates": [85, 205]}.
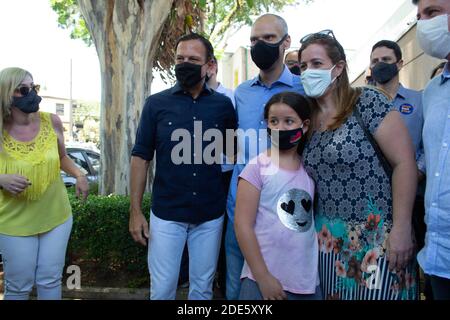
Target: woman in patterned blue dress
{"type": "Point", "coordinates": [363, 219]}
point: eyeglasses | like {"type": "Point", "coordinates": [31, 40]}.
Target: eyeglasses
{"type": "Point", "coordinates": [324, 34]}
{"type": "Point", "coordinates": [318, 35]}
{"type": "Point", "coordinates": [25, 90]}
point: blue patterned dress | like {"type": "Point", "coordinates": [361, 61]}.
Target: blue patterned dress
{"type": "Point", "coordinates": [354, 210]}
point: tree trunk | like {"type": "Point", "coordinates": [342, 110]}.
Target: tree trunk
{"type": "Point", "coordinates": [126, 34]}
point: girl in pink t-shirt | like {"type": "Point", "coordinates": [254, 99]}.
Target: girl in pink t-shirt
{"type": "Point", "coordinates": [274, 218]}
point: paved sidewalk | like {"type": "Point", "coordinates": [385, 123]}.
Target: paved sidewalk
{"type": "Point", "coordinates": [92, 293]}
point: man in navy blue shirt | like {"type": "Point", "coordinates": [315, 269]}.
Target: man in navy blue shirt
{"type": "Point", "coordinates": [188, 201]}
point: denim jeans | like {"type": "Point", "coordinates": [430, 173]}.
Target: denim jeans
{"type": "Point", "coordinates": [221, 264]}
{"type": "Point", "coordinates": [250, 291]}
{"type": "Point", "coordinates": [34, 260]}
{"type": "Point", "coordinates": [166, 244]}
{"type": "Point", "coordinates": [235, 262]}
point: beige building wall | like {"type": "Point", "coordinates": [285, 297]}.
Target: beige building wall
{"type": "Point", "coordinates": [224, 75]}
{"type": "Point", "coordinates": [417, 66]}
{"type": "Point", "coordinates": [60, 107]}
{"type": "Point", "coordinates": [237, 67]}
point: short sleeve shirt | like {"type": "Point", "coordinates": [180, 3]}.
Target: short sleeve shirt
{"type": "Point", "coordinates": [285, 224]}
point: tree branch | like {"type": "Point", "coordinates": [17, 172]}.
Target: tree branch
{"type": "Point", "coordinates": [214, 17]}
{"type": "Point", "coordinates": [217, 36]}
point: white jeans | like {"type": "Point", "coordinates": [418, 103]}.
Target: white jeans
{"type": "Point", "coordinates": [38, 259]}
{"type": "Point", "coordinates": [166, 244]}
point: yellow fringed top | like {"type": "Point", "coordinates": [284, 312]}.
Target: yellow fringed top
{"type": "Point", "coordinates": [44, 204]}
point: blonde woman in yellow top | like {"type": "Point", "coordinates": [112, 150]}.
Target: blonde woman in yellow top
{"type": "Point", "coordinates": [35, 213]}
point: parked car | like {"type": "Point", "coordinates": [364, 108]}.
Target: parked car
{"type": "Point", "coordinates": [87, 160]}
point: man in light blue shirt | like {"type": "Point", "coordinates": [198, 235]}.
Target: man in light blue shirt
{"type": "Point", "coordinates": [433, 33]}
{"type": "Point", "coordinates": [269, 40]}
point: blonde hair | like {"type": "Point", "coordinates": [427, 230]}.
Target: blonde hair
{"type": "Point", "coordinates": [344, 95]}
{"type": "Point", "coordinates": [10, 79]}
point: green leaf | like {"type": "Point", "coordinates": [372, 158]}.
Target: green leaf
{"type": "Point", "coordinates": [70, 18]}
{"type": "Point", "coordinates": [250, 3]}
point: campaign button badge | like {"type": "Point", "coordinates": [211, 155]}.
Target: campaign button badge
{"type": "Point", "coordinates": [406, 108]}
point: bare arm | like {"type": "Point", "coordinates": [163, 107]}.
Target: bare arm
{"type": "Point", "coordinates": [138, 225]}
{"type": "Point", "coordinates": [247, 200]}
{"type": "Point", "coordinates": [66, 164]}
{"type": "Point", "coordinates": [395, 142]}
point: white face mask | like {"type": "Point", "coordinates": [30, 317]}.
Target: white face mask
{"type": "Point", "coordinates": [434, 36]}
{"type": "Point", "coordinates": [316, 81]}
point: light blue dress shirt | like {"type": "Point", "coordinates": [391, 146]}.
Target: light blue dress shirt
{"type": "Point", "coordinates": [434, 258]}
{"type": "Point", "coordinates": [409, 103]}
{"type": "Point", "coordinates": [251, 97]}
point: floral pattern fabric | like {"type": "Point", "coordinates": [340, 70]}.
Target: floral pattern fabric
{"type": "Point", "coordinates": [354, 210]}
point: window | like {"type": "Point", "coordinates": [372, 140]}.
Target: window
{"type": "Point", "coordinates": [79, 160]}
{"type": "Point", "coordinates": [95, 161]}
{"type": "Point", "coordinates": [60, 109]}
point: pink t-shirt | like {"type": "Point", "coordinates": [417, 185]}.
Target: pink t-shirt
{"type": "Point", "coordinates": [284, 224]}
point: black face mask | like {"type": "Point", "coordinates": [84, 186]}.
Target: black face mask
{"type": "Point", "coordinates": [188, 74]}
{"type": "Point", "coordinates": [265, 54]}
{"type": "Point", "coordinates": [28, 103]}
{"type": "Point", "coordinates": [383, 72]}
{"type": "Point", "coordinates": [287, 139]}
{"type": "Point", "coordinates": [295, 70]}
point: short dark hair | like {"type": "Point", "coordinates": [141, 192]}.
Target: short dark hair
{"type": "Point", "coordinates": [415, 2]}
{"type": "Point", "coordinates": [195, 36]}
{"type": "Point", "coordinates": [292, 51]}
{"type": "Point", "coordinates": [391, 45]}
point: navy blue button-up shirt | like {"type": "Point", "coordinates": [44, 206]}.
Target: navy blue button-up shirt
{"type": "Point", "coordinates": [186, 187]}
